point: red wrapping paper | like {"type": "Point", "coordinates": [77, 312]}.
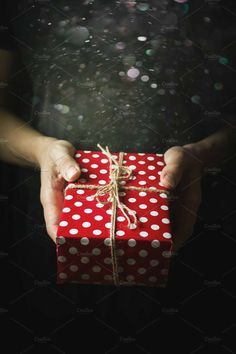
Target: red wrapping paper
{"type": "Point", "coordinates": [83, 236]}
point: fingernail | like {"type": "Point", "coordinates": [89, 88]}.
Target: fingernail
{"type": "Point", "coordinates": [71, 172]}
{"type": "Point", "coordinates": [169, 179]}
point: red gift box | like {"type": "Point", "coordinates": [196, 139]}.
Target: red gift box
{"type": "Point", "coordinates": [115, 226]}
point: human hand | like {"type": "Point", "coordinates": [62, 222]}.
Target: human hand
{"type": "Point", "coordinates": [57, 167]}
{"type": "Point", "coordinates": [182, 173]}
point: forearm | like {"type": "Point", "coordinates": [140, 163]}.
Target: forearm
{"type": "Point", "coordinates": [19, 143]}
{"type": "Point", "coordinates": [217, 149]}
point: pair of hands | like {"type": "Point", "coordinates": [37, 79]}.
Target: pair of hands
{"type": "Point", "coordinates": [182, 174]}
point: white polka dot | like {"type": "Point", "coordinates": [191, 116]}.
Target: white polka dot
{"type": "Point", "coordinates": [122, 194]}
{"type": "Point", "coordinates": [143, 253]}
{"type": "Point", "coordinates": [96, 251]}
{"type": "Point", "coordinates": [143, 219]}
{"type": "Point", "coordinates": [77, 155]}
{"type": "Point", "coordinates": [84, 241]}
{"type": "Point", "coordinates": [132, 226]}
{"type": "Point", "coordinates": [122, 182]}
{"type": "Point", "coordinates": [152, 279]}
{"type": "Point", "coordinates": [84, 260]}
{"type": "Point", "coordinates": [103, 171]}
{"type": "Point", "coordinates": [150, 158]}
{"type": "Point", "coordinates": [84, 169]}
{"type": "Point", "coordinates": [73, 250]}
{"type": "Point", "coordinates": [120, 252]}
{"type": "Point", "coordinates": [66, 210]}
{"type": "Point", "coordinates": [88, 211]}
{"type": "Point", "coordinates": [155, 243]}
{"type": "Point", "coordinates": [80, 191]}
{"type": "Point", "coordinates": [132, 200]}
{"type": "Point", "coordinates": [74, 268]}
{"type": "Point", "coordinates": [142, 270]}
{"type": "Point", "coordinates": [62, 275]}
{"type": "Point", "coordinates": [120, 233]}
{"type": "Point", "coordinates": [143, 234]}
{"type": "Point", "coordinates": [153, 200]}
{"type": "Point", "coordinates": [108, 225]}
{"type": "Point", "coordinates": [107, 277]}
{"type": "Point", "coordinates": [165, 221]}
{"type": "Point", "coordinates": [69, 197]}
{"type": "Point", "coordinates": [163, 195]}
{"type": "Point", "coordinates": [130, 278]}
{"type": "Point", "coordinates": [131, 261]}
{"type": "Point", "coordinates": [159, 154]}
{"type": "Point", "coordinates": [154, 262]}
{"type": "Point", "coordinates": [107, 241]}
{"type": "Point", "coordinates": [104, 160]}
{"type": "Point", "coordinates": [141, 162]}
{"type": "Point", "coordinates": [151, 167]}
{"type": "Point", "coordinates": [154, 213]}
{"type": "Point", "coordinates": [85, 160]}
{"type": "Point", "coordinates": [142, 183]}
{"type": "Point", "coordinates": [121, 218]}
{"type": "Point", "coordinates": [94, 165]}
{"type": "Point", "coordinates": [61, 240]}
{"type": "Point", "coordinates": [143, 206]}
{"type": "Point", "coordinates": [76, 217]}
{"type": "Point", "coordinates": [167, 235]}
{"type": "Point", "coordinates": [87, 151]}
{"type": "Point", "coordinates": [152, 178]}
{"type": "Point", "coordinates": [86, 224]}
{"type": "Point", "coordinates": [155, 227]}
{"type": "Point", "coordinates": [109, 211]}
{"type": "Point", "coordinates": [90, 198]}
{"type": "Point", "coordinates": [85, 276]}
{"type": "Point", "coordinates": [132, 158]}
{"type": "Point", "coordinates": [98, 217]}
{"type": "Point", "coordinates": [92, 175]}
{"type": "Point", "coordinates": [164, 207]}
{"type": "Point", "coordinates": [132, 242]}
{"type": "Point", "coordinates": [82, 180]}
{"type": "Point", "coordinates": [102, 181]}
{"type": "Point", "coordinates": [96, 269]}
{"type": "Point", "coordinates": [160, 163]}
{"type": "Point", "coordinates": [73, 231]}
{"type": "Point", "coordinates": [99, 205]}
{"type": "Point", "coordinates": [141, 172]}
{"type": "Point", "coordinates": [95, 155]}
{"type": "Point", "coordinates": [61, 259]}
{"type": "Point", "coordinates": [133, 167]}
{"type": "Point", "coordinates": [97, 232]}
{"type": "Point", "coordinates": [63, 223]}
{"type": "Point", "coordinates": [107, 260]}
{"type": "Point", "coordinates": [78, 204]}
{"type": "Point", "coordinates": [166, 254]}
{"type": "Point", "coordinates": [142, 194]}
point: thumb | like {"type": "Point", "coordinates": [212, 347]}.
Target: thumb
{"type": "Point", "coordinates": [63, 156]}
{"type": "Point", "coordinates": [172, 173]}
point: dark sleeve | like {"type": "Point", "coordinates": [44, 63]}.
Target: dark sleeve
{"type": "Point", "coordinates": [7, 13]}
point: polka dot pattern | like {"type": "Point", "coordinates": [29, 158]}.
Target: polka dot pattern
{"type": "Point", "coordinates": [83, 239]}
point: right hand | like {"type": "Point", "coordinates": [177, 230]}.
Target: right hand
{"type": "Point", "coordinates": [58, 166]}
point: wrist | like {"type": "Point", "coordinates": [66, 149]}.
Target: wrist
{"type": "Point", "coordinates": [41, 146]}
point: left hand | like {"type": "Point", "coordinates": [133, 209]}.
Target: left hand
{"type": "Point", "coordinates": [182, 174]}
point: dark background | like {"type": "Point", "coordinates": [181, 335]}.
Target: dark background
{"type": "Point", "coordinates": [194, 314]}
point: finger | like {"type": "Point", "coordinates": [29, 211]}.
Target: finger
{"type": "Point", "coordinates": [62, 155]}
{"type": "Point", "coordinates": [175, 159]}
{"type": "Point", "coordinates": [185, 216]}
{"type": "Point", "coordinates": [52, 204]}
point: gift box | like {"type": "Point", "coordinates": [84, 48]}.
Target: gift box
{"type": "Point", "coordinates": [115, 225]}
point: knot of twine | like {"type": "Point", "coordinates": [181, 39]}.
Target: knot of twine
{"type": "Point", "coordinates": [117, 172]}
